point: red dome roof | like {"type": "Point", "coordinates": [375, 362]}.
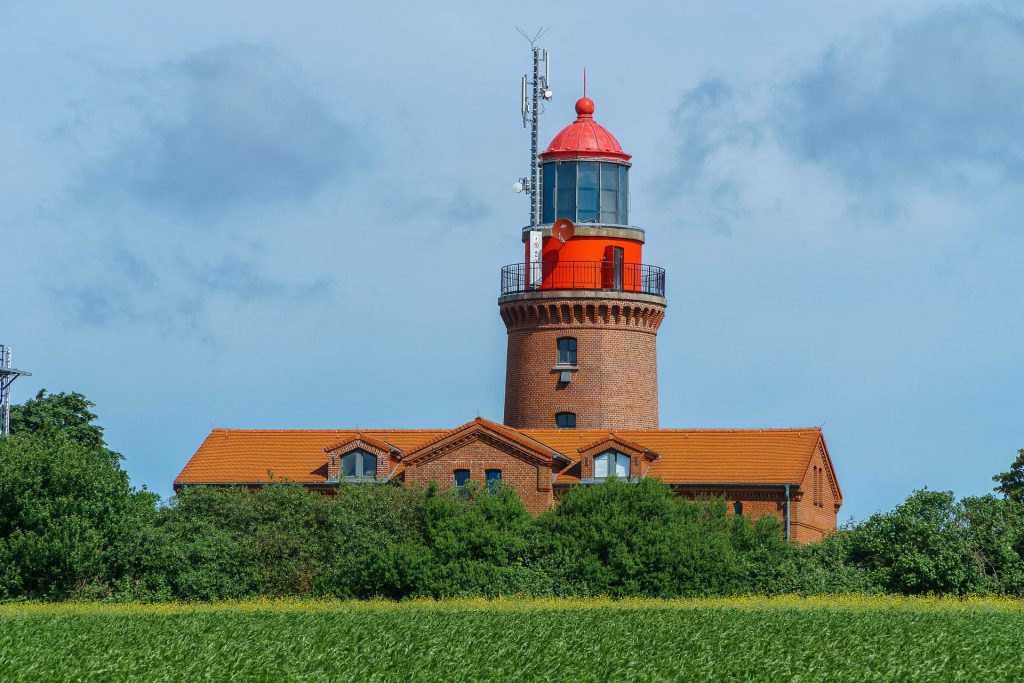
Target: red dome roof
{"type": "Point", "coordinates": [584, 137]}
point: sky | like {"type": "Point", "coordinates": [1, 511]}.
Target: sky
{"type": "Point", "coordinates": [293, 215]}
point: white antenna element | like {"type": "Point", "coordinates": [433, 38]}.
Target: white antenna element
{"type": "Point", "coordinates": [7, 377]}
{"type": "Point", "coordinates": [532, 107]}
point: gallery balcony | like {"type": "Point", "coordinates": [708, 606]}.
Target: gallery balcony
{"type": "Point", "coordinates": [633, 278]}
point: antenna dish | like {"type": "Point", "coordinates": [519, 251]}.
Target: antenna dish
{"type": "Point", "coordinates": [563, 229]}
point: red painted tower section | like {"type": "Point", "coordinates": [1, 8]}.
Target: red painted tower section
{"type": "Point", "coordinates": [582, 321]}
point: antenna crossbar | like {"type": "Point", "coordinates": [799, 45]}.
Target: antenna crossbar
{"type": "Point", "coordinates": [7, 377]}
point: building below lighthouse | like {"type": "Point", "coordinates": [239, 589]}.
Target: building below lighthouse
{"type": "Point", "coordinates": [582, 312]}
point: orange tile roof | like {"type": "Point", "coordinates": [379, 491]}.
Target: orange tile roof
{"type": "Point", "coordinates": [691, 456]}
{"type": "Point", "coordinates": [704, 456]}
{"type": "Point", "coordinates": [248, 456]}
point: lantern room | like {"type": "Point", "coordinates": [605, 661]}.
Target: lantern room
{"type": "Point", "coordinates": [584, 179]}
{"type": "Point", "coordinates": [585, 173]}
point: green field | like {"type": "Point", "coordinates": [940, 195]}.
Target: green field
{"type": "Point", "coordinates": [778, 639]}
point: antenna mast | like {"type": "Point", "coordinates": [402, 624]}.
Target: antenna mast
{"type": "Point", "coordinates": [7, 377]}
{"type": "Point", "coordinates": [534, 94]}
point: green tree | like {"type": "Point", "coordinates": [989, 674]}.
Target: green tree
{"type": "Point", "coordinates": [66, 414]}
{"type": "Point", "coordinates": [923, 546]}
{"type": "Point", "coordinates": [1011, 483]}
{"type": "Point", "coordinates": [70, 523]}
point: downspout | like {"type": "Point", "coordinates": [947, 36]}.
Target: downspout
{"type": "Point", "coordinates": [787, 512]}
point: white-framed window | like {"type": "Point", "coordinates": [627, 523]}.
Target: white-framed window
{"type": "Point", "coordinates": [358, 465]}
{"type": "Point", "coordinates": [611, 464]}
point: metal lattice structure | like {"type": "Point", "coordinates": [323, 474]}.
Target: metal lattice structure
{"type": "Point", "coordinates": [535, 92]}
{"type": "Point", "coordinates": [7, 376]}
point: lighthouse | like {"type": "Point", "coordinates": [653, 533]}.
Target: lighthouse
{"type": "Point", "coordinates": [582, 309]}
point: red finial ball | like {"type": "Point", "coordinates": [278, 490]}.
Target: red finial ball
{"type": "Point", "coordinates": [585, 106]}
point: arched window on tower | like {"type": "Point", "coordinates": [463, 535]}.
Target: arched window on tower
{"type": "Point", "coordinates": [611, 464]}
{"type": "Point", "coordinates": [565, 420]}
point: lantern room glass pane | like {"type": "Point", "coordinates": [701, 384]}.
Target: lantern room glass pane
{"type": "Point", "coordinates": [548, 198]}
{"type": "Point", "coordinates": [587, 205]}
{"type": "Point", "coordinates": [610, 193]}
{"type": "Point", "coordinates": [623, 196]}
{"type": "Point", "coordinates": [565, 191]}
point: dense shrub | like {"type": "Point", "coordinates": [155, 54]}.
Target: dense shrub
{"type": "Point", "coordinates": [626, 539]}
{"type": "Point", "coordinates": [70, 524]}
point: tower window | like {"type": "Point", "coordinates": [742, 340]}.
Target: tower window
{"type": "Point", "coordinates": [359, 465]}
{"type": "Point", "coordinates": [461, 478]}
{"type": "Point", "coordinates": [567, 351]}
{"type": "Point", "coordinates": [611, 464]}
{"type": "Point", "coordinates": [493, 479]}
{"type": "Point", "coordinates": [565, 420]}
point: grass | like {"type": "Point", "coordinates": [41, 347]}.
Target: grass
{"type": "Point", "coordinates": [778, 639]}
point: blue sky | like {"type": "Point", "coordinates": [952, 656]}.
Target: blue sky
{"type": "Point", "coordinates": [257, 215]}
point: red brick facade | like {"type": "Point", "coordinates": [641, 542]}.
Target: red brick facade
{"type": "Point", "coordinates": [614, 384]}
{"type": "Point", "coordinates": [529, 476]}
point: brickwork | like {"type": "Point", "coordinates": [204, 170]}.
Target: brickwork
{"type": "Point", "coordinates": [336, 453]}
{"type": "Point", "coordinates": [756, 501]}
{"type": "Point", "coordinates": [616, 384]}
{"type": "Point", "coordinates": [531, 480]}
{"type": "Point", "coordinates": [816, 508]}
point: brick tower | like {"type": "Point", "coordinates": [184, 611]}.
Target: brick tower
{"type": "Point", "coordinates": [583, 310]}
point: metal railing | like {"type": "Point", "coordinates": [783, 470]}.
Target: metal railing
{"type": "Point", "coordinates": [603, 275]}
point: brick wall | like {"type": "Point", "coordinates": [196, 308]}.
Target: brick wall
{"type": "Point", "coordinates": [616, 385]}
{"type": "Point", "coordinates": [808, 521]}
{"type": "Point", "coordinates": [531, 482]}
{"type": "Point", "coordinates": [815, 510]}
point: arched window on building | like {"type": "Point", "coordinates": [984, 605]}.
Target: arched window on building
{"type": "Point", "coordinates": [611, 464]}
{"type": "Point", "coordinates": [461, 478]}
{"type": "Point", "coordinates": [565, 420]}
{"type": "Point", "coordinates": [737, 507]}
{"type": "Point", "coordinates": [493, 479]}
{"type": "Point", "coordinates": [358, 465]}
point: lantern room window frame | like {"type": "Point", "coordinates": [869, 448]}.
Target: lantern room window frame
{"type": "Point", "coordinates": [585, 191]}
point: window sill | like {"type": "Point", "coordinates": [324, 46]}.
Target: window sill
{"type": "Point", "coordinates": [354, 480]}
{"type": "Point", "coordinates": [570, 368]}
{"type": "Point", "coordinates": [601, 480]}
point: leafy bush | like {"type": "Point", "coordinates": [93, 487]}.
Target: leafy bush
{"type": "Point", "coordinates": [626, 539]}
{"type": "Point", "coordinates": [70, 524]}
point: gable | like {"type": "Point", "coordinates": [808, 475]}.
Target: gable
{"type": "Point", "coordinates": [496, 436]}
{"type": "Point", "coordinates": [820, 456]}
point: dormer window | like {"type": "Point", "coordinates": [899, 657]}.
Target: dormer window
{"type": "Point", "coordinates": [611, 464]}
{"type": "Point", "coordinates": [358, 465]}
